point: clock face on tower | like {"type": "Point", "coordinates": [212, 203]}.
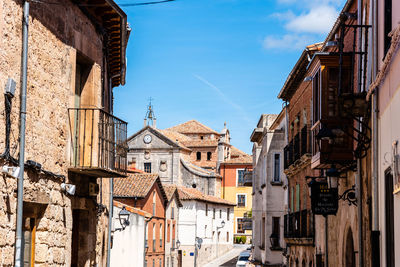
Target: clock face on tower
{"type": "Point", "coordinates": [147, 139]}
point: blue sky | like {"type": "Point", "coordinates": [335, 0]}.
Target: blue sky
{"type": "Point", "coordinates": [216, 60]}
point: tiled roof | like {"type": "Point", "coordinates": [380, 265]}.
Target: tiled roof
{"type": "Point", "coordinates": [170, 190]}
{"type": "Point", "coordinates": [201, 143]}
{"type": "Point", "coordinates": [131, 209]}
{"type": "Point", "coordinates": [135, 185]}
{"type": "Point", "coordinates": [238, 157]}
{"type": "Point", "coordinates": [193, 194]}
{"type": "Point", "coordinates": [192, 126]}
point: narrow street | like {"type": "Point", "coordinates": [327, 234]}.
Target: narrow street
{"type": "Point", "coordinates": [229, 259]}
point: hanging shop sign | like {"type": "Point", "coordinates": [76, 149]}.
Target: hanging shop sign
{"type": "Point", "coordinates": [324, 200]}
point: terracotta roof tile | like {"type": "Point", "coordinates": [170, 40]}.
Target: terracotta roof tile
{"type": "Point", "coordinates": [131, 209]}
{"type": "Point", "coordinates": [192, 126]}
{"type": "Point", "coordinates": [135, 185]}
{"type": "Point", "coordinates": [169, 190]}
{"type": "Point", "coordinates": [193, 194]}
{"type": "Point", "coordinates": [238, 156]}
{"type": "Point", "coordinates": [201, 143]}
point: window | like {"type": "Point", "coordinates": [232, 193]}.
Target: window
{"type": "Point", "coordinates": [389, 219]}
{"type": "Point", "coordinates": [262, 231]}
{"type": "Point", "coordinates": [173, 211]}
{"type": "Point", "coordinates": [161, 235]}
{"type": "Point", "coordinates": [154, 203]}
{"type": "Point", "coordinates": [239, 225]}
{"type": "Point", "coordinates": [213, 213]}
{"type": "Point", "coordinates": [227, 213]}
{"type": "Point", "coordinates": [173, 233]}
{"type": "Point", "coordinates": [275, 235]}
{"type": "Point", "coordinates": [227, 236]}
{"type": "Point", "coordinates": [297, 197]}
{"type": "Point", "coordinates": [387, 25]}
{"type": "Point", "coordinates": [206, 209]}
{"type": "Point", "coordinates": [147, 167]}
{"type": "Point", "coordinates": [220, 214]}
{"type": "Point", "coordinates": [146, 244]}
{"type": "Point", "coordinates": [240, 177]}
{"type": "Point", "coordinates": [154, 239]}
{"type": "Point", "coordinates": [198, 155]}
{"type": "Point", "coordinates": [201, 137]}
{"type": "Point", "coordinates": [277, 168]}
{"type": "Point", "coordinates": [160, 263]}
{"type": "Point", "coordinates": [241, 200]}
{"type": "Point", "coordinates": [209, 154]}
{"type": "Point", "coordinates": [292, 198]}
{"type": "Point", "coordinates": [168, 232]}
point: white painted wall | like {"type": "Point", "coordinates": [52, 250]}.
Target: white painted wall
{"type": "Point", "coordinates": [194, 222]}
{"type": "Point", "coordinates": [128, 245]}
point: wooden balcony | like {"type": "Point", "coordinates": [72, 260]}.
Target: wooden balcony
{"type": "Point", "coordinates": [98, 143]}
{"type": "Point", "coordinates": [299, 147]}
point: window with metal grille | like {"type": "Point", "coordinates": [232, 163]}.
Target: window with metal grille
{"type": "Point", "coordinates": [147, 167]}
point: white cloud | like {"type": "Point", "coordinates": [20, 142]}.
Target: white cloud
{"type": "Point", "coordinates": [288, 41]}
{"type": "Point", "coordinates": [318, 20]}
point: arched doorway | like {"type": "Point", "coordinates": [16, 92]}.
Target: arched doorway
{"type": "Point", "coordinates": [350, 260]}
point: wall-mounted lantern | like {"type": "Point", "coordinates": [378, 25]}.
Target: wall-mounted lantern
{"type": "Point", "coordinates": [123, 217]}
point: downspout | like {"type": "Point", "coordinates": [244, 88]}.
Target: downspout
{"type": "Point", "coordinates": [359, 185]}
{"type": "Point", "coordinates": [375, 234]}
{"type": "Point", "coordinates": [110, 218]}
{"type": "Point", "coordinates": [19, 257]}
{"type": "Point", "coordinates": [110, 215]}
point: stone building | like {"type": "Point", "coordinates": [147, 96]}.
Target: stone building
{"type": "Point", "coordinates": [144, 191]}
{"type": "Point", "coordinates": [206, 221]}
{"type": "Point", "coordinates": [269, 189]}
{"type": "Point", "coordinates": [76, 55]}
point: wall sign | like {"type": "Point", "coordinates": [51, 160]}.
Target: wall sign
{"type": "Point", "coordinates": [324, 200]}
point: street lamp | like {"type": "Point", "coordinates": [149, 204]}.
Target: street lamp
{"type": "Point", "coordinates": [333, 175]}
{"type": "Point", "coordinates": [123, 217]}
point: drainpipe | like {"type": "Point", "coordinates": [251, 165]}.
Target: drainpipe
{"type": "Point", "coordinates": [375, 239]}
{"type": "Point", "coordinates": [110, 218]}
{"type": "Point", "coordinates": [19, 257]}
{"type": "Point", "coordinates": [326, 242]}
{"type": "Point", "coordinates": [111, 197]}
{"type": "Point", "coordinates": [359, 189]}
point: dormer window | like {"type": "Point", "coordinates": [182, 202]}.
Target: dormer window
{"type": "Point", "coordinates": [198, 156]}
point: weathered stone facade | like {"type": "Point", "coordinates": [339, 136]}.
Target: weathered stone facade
{"type": "Point", "coordinates": [58, 35]}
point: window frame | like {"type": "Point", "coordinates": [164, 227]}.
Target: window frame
{"type": "Point", "coordinates": [245, 200]}
{"type": "Point", "coordinates": [237, 177]}
{"type": "Point", "coordinates": [147, 167]}
{"type": "Point", "coordinates": [276, 178]}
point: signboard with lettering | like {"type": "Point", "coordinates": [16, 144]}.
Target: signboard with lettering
{"type": "Point", "coordinates": [324, 200]}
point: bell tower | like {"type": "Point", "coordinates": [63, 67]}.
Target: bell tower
{"type": "Point", "coordinates": [150, 119]}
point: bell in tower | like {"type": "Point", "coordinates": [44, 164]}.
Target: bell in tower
{"type": "Point", "coordinates": [150, 119]}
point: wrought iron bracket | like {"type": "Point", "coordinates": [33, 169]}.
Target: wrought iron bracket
{"type": "Point", "coordinates": [350, 196]}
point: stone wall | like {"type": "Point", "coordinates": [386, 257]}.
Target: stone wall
{"type": "Point", "coordinates": [56, 34]}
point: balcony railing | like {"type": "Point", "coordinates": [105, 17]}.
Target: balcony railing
{"type": "Point", "coordinates": [299, 146]}
{"type": "Point", "coordinates": [98, 145]}
{"type": "Point", "coordinates": [299, 224]}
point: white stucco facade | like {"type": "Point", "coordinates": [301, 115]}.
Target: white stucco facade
{"type": "Point", "coordinates": [128, 244]}
{"type": "Point", "coordinates": [194, 222]}
{"type": "Point", "coordinates": [269, 190]}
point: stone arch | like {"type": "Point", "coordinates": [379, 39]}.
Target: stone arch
{"type": "Point", "coordinates": [348, 255]}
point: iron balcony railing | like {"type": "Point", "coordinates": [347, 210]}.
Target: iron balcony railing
{"type": "Point", "coordinates": [297, 147]}
{"type": "Point", "coordinates": [299, 224]}
{"type": "Point", "coordinates": [98, 145]}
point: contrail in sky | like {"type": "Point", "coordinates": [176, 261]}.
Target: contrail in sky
{"type": "Point", "coordinates": [225, 98]}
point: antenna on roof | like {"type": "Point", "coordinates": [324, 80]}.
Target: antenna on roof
{"type": "Point", "coordinates": [150, 119]}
